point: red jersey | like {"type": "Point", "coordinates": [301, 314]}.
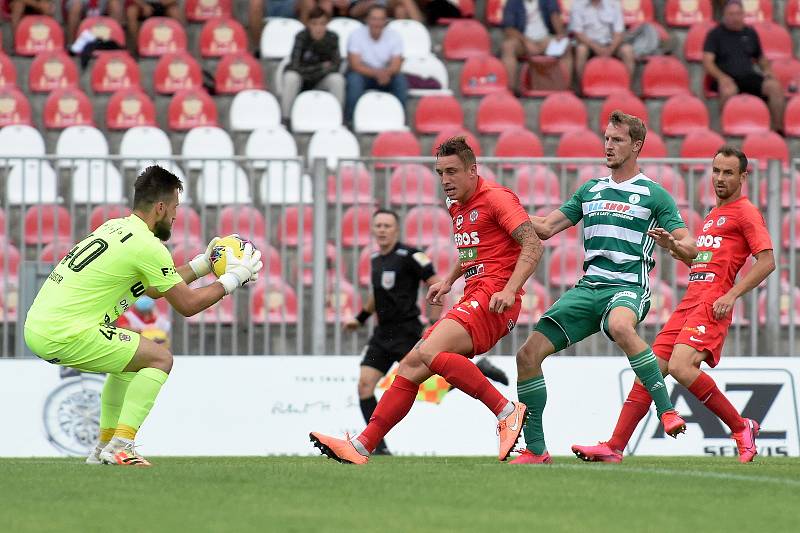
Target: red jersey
{"type": "Point", "coordinates": [482, 231]}
{"type": "Point", "coordinates": [731, 234]}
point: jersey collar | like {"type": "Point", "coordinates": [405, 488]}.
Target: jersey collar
{"type": "Point", "coordinates": [136, 221]}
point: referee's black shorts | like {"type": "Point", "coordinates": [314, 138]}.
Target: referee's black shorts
{"type": "Point", "coordinates": [389, 345]}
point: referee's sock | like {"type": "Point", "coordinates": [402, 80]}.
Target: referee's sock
{"type": "Point", "coordinates": [368, 406]}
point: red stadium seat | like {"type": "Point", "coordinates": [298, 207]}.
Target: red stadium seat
{"type": "Point", "coordinates": [786, 193]}
{"type": "Point", "coordinates": [177, 71]}
{"type": "Point", "coordinates": [744, 114]}
{"type": "Point", "coordinates": [654, 146]}
{"type": "Point", "coordinates": [245, 220]}
{"type": "Point", "coordinates": [45, 223]}
{"type": "Point", "coordinates": [483, 75]}
{"type": "Point", "coordinates": [187, 226]}
{"type": "Point", "coordinates": [566, 265]}
{"type": "Point", "coordinates": [222, 36]}
{"type": "Point", "coordinates": [775, 40]}
{"type": "Point", "coordinates": [350, 184]}
{"type": "Point", "coordinates": [662, 302]}
{"type": "Point", "coordinates": [587, 172]}
{"type": "Point", "coordinates": [539, 76]}
{"type": "Point", "coordinates": [426, 224]}
{"type": "Point", "coordinates": [104, 28]}
{"type": "Point", "coordinates": [466, 38]}
{"type": "Point", "coordinates": [128, 108]}
{"type": "Point", "coordinates": [664, 76]}
{"type": "Point", "coordinates": [535, 302]}
{"type": "Point", "coordinates": [238, 72]}
{"type": "Point", "coordinates": [224, 312]}
{"type": "Point", "coordinates": [562, 112]}
{"type": "Point", "coordinates": [67, 107]}
{"type": "Point", "coordinates": [395, 144]}
{"type": "Point", "coordinates": [191, 108]}
{"type": "Point", "coordinates": [499, 112]}
{"type": "Point", "coordinates": [693, 220]}
{"type": "Point", "coordinates": [55, 251]}
{"type": "Point", "coordinates": [704, 192]}
{"type": "Point", "coordinates": [437, 113]}
{"type": "Point", "coordinates": [637, 11]}
{"type": "Point", "coordinates": [273, 301]}
{"type": "Point", "coordinates": [791, 14]}
{"type": "Point", "coordinates": [668, 178]}
{"type": "Point", "coordinates": [791, 117]}
{"type": "Point", "coordinates": [757, 11]}
{"type": "Point", "coordinates": [357, 226]}
{"type": "Point", "coordinates": [273, 265]}
{"type": "Point", "coordinates": [52, 70]}
{"type": "Point", "coordinates": [790, 219]}
{"type": "Point", "coordinates": [184, 251]}
{"type": "Point", "coordinates": [202, 10]}
{"type": "Point", "coordinates": [306, 266]}
{"type": "Point", "coordinates": [289, 225]}
{"type": "Point", "coordinates": [161, 35]}
{"type": "Point", "coordinates": [627, 103]}
{"type": "Point", "coordinates": [787, 71]}
{"type": "Point", "coordinates": [443, 254]}
{"type": "Point", "coordinates": [114, 70]}
{"type": "Point", "coordinates": [8, 72]}
{"type": "Point", "coordinates": [685, 13]}
{"type": "Point", "coordinates": [764, 146]}
{"type": "Point", "coordinates": [38, 33]}
{"type": "Point", "coordinates": [682, 114]}
{"type": "Point", "coordinates": [494, 12]}
{"type": "Point", "coordinates": [365, 265]}
{"type": "Point", "coordinates": [14, 107]}
{"type": "Point", "coordinates": [412, 183]}
{"type": "Point", "coordinates": [341, 301]}
{"type": "Point", "coordinates": [701, 144]}
{"type": "Point", "coordinates": [101, 213]}
{"type": "Point", "coordinates": [472, 140]}
{"type": "Point", "coordinates": [9, 262]}
{"type": "Point", "coordinates": [538, 185]}
{"type": "Point", "coordinates": [518, 142]}
{"type": "Point", "coordinates": [695, 39]}
{"type": "Point", "coordinates": [604, 76]}
{"type": "Point", "coordinates": [790, 297]}
{"type": "Point", "coordinates": [579, 143]}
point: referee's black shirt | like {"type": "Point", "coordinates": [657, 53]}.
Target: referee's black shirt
{"type": "Point", "coordinates": [395, 281]}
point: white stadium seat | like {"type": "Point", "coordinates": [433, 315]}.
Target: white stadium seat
{"type": "Point", "coordinates": [20, 141]}
{"type": "Point", "coordinates": [378, 111]}
{"type": "Point", "coordinates": [343, 27]}
{"type": "Point", "coordinates": [253, 109]}
{"type": "Point", "coordinates": [270, 143]}
{"type": "Point", "coordinates": [97, 182]}
{"type": "Point", "coordinates": [283, 182]}
{"type": "Point", "coordinates": [277, 82]}
{"type": "Point", "coordinates": [416, 39]}
{"type": "Point", "coordinates": [30, 182]}
{"type": "Point", "coordinates": [223, 183]}
{"type": "Point", "coordinates": [333, 144]}
{"type": "Point", "coordinates": [144, 143]}
{"type": "Point", "coordinates": [206, 141]}
{"type": "Point", "coordinates": [315, 110]}
{"type": "Point", "coordinates": [80, 141]}
{"type": "Point", "coordinates": [277, 39]}
{"type": "Point", "coordinates": [427, 67]}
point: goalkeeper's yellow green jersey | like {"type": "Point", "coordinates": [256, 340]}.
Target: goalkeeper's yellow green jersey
{"type": "Point", "coordinates": [100, 278]}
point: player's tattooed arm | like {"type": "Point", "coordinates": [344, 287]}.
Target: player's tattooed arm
{"type": "Point", "coordinates": [529, 255]}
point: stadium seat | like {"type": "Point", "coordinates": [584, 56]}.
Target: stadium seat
{"type": "Point", "coordinates": [97, 182]}
{"type": "Point", "coordinates": [222, 36]}
{"type": "Point", "coordinates": [9, 264]}
{"type": "Point", "coordinates": [579, 143]}
{"type": "Point", "coordinates": [438, 113]}
{"type": "Point", "coordinates": [224, 312]}
{"type": "Point", "coordinates": [378, 111]}
{"type": "Point", "coordinates": [568, 237]}
{"type": "Point", "coordinates": [315, 110]}
{"type": "Point", "coordinates": [786, 193]}
{"type": "Point", "coordinates": [635, 12]}
{"type": "Point", "coordinates": [144, 143]}
{"type": "Point", "coordinates": [52, 70]}
{"type": "Point", "coordinates": [277, 38]}
{"type": "Point", "coordinates": [128, 108]}
{"type": "Point", "coordinates": [45, 223]}
{"type": "Point", "coordinates": [603, 76]}
{"type": "Point", "coordinates": [465, 7]}
{"type": "Point", "coordinates": [764, 146]}
{"type": "Point", "coordinates": [36, 34]}
{"type": "Point", "coordinates": [159, 36]}
{"type": "Point", "coordinates": [787, 71]}
{"type": "Point", "coordinates": [701, 144]}
{"type": "Point", "coordinates": [791, 117]}
{"type": "Point", "coordinates": [203, 10]}
{"type": "Point", "coordinates": [535, 302]}
{"type": "Point", "coordinates": [223, 183]}
{"type": "Point", "coordinates": [254, 108]}
{"type": "Point", "coordinates": [8, 72]}
{"type": "Point", "coordinates": [67, 107]}
{"type": "Point", "coordinates": [114, 70]}
{"type": "Point", "coordinates": [206, 142]}
{"type": "Point", "coordinates": [183, 252]}
{"type": "Point", "coordinates": [566, 265]}
{"type": "Point", "coordinates": [269, 143]}
{"type": "Point", "coordinates": [682, 114]}
{"type": "Point", "coordinates": [55, 251]}
{"type": "Point", "coordinates": [187, 227]}
{"type": "Point", "coordinates": [356, 226]}
{"type": "Point", "coordinates": [15, 110]}
{"type": "Point", "coordinates": [744, 114]}
{"type": "Point", "coordinates": [662, 302]}
{"type": "Point", "coordinates": [191, 108]}
{"type": "Point", "coordinates": [626, 102]}
{"type": "Point", "coordinates": [465, 39]}
{"type": "Point", "coordinates": [332, 145]}
{"type": "Point", "coordinates": [499, 112]}
{"type": "Point", "coordinates": [654, 146]}
{"type": "Point", "coordinates": [395, 144]}
{"type": "Point", "coordinates": [685, 13]}
{"type": "Point", "coordinates": [693, 220]}
{"type": "Point", "coordinates": [757, 11]}
{"type": "Point", "coordinates": [283, 182]}
{"type": "Point", "coordinates": [791, 14]}
{"type": "Point", "coordinates": [304, 270]}
{"type": "Point", "coordinates": [273, 301]}
{"type": "Point", "coordinates": [350, 184]}
{"type": "Point", "coordinates": [415, 36]}
{"type": "Point", "coordinates": [537, 185]}
{"type": "Point", "coordinates": [669, 178]}
{"type": "Point", "coordinates": [443, 254]}
{"type": "Point", "coordinates": [342, 301]}
{"type": "Point", "coordinates": [562, 112]}
{"type": "Point", "coordinates": [101, 213]}
{"type": "Point", "coordinates": [664, 76]}
{"type": "Point", "coordinates": [343, 27]}
{"type": "Point", "coordinates": [483, 75]}
{"type": "Point", "coordinates": [494, 11]}
{"type": "Point", "coordinates": [176, 71]}
{"type": "Point", "coordinates": [472, 140]}
{"type": "Point", "coordinates": [364, 268]}
{"type": "Point", "coordinates": [789, 305]}
{"type": "Point", "coordinates": [429, 69]}
{"type": "Point", "coordinates": [20, 140]}
{"type": "Point", "coordinates": [425, 224]}
{"type": "Point", "coordinates": [103, 28]}
{"type": "Point", "coordinates": [776, 42]}
{"type": "Point", "coordinates": [544, 69]}
{"type": "Point", "coordinates": [518, 142]}
{"type": "Point", "coordinates": [413, 184]}
{"type": "Point", "coordinates": [587, 172]}
{"type": "Point", "coordinates": [76, 142]}
{"type": "Point", "coordinates": [289, 231]}
{"type": "Point", "coordinates": [238, 72]}
{"type": "Point", "coordinates": [245, 220]}
{"type": "Point", "coordinates": [486, 172]}
{"type": "Point", "coordinates": [695, 38]}
{"type": "Point", "coordinates": [790, 219]}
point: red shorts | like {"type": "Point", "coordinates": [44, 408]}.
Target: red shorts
{"type": "Point", "coordinates": [695, 327]}
{"type": "Point", "coordinates": [485, 327]}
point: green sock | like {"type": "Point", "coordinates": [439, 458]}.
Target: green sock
{"type": "Point", "coordinates": [141, 396]}
{"type": "Point", "coordinates": [645, 366]}
{"type": "Point", "coordinates": [112, 398]}
{"type": "Point", "coordinates": [533, 393]}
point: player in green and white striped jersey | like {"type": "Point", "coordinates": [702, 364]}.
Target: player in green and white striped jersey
{"type": "Point", "coordinates": [624, 216]}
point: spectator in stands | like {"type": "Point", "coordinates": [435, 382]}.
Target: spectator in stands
{"type": "Point", "coordinates": [375, 55]}
{"type": "Point", "coordinates": [20, 8]}
{"type": "Point", "coordinates": [144, 318]}
{"type": "Point", "coordinates": [335, 8]}
{"type": "Point", "coordinates": [733, 57]}
{"type": "Point", "coordinates": [258, 9]}
{"type": "Point", "coordinates": [397, 9]}
{"type": "Point", "coordinates": [138, 10]}
{"type": "Point", "coordinates": [529, 26]}
{"type": "Point", "coordinates": [315, 62]}
{"type": "Point", "coordinates": [598, 27]}
{"type": "Point", "coordinates": [76, 10]}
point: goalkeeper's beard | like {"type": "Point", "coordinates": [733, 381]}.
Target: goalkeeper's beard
{"type": "Point", "coordinates": [162, 230]}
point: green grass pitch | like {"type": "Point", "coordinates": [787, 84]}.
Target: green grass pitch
{"type": "Point", "coordinates": [404, 494]}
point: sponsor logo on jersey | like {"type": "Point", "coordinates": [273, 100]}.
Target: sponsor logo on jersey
{"type": "Point", "coordinates": [701, 276]}
{"type": "Point", "coordinates": [709, 241]}
{"type": "Point", "coordinates": [721, 221]}
{"type": "Point", "coordinates": [57, 278]}
{"type": "Point", "coordinates": [699, 330]}
{"type": "Point", "coordinates": [624, 294]}
{"type": "Point", "coordinates": [466, 238]}
{"type": "Point", "coordinates": [510, 325]}
{"type": "Point", "coordinates": [691, 338]}
{"type": "Point", "coordinates": [387, 279]}
{"type": "Point", "coordinates": [617, 207]}
{"type": "Point", "coordinates": [703, 257]}
{"type": "Point", "coordinates": [459, 221]}
{"type": "Point", "coordinates": [474, 304]}
{"type": "Point", "coordinates": [708, 224]}
{"type": "Point", "coordinates": [471, 272]}
{"type": "Point", "coordinates": [124, 337]}
{"type": "Point", "coordinates": [467, 254]}
{"type": "Point", "coordinates": [473, 215]}
{"type": "Point", "coordinates": [634, 198]}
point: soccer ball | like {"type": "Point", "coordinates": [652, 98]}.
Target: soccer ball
{"type": "Point", "coordinates": [218, 256]}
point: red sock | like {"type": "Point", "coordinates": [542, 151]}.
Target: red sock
{"type": "Point", "coordinates": [707, 392]}
{"type": "Point", "coordinates": [462, 374]}
{"type": "Point", "coordinates": [633, 410]}
{"type": "Point", "coordinates": [393, 407]}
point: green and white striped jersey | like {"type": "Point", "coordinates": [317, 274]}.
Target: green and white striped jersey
{"type": "Point", "coordinates": [616, 217]}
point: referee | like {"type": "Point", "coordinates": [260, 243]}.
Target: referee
{"type": "Point", "coordinates": [397, 271]}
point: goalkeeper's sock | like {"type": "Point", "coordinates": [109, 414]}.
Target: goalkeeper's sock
{"type": "Point", "coordinates": [645, 366]}
{"type": "Point", "coordinates": [633, 410]}
{"type": "Point", "coordinates": [705, 389]}
{"type": "Point", "coordinates": [141, 396]}
{"type": "Point", "coordinates": [533, 393]}
{"type": "Point", "coordinates": [464, 375]}
{"type": "Point", "coordinates": [393, 407]}
{"type": "Point", "coordinates": [111, 400]}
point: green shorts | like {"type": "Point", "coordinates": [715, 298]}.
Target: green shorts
{"type": "Point", "coordinates": [583, 311]}
{"type": "Point", "coordinates": [102, 348]}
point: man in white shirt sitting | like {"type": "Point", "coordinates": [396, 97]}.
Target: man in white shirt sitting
{"type": "Point", "coordinates": [599, 28]}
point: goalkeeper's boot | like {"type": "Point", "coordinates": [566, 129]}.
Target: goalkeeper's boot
{"type": "Point", "coordinates": [746, 441]}
{"type": "Point", "coordinates": [94, 456]}
{"type": "Point", "coordinates": [527, 457]}
{"type": "Point", "coordinates": [510, 428]}
{"type": "Point", "coordinates": [601, 453]}
{"type": "Point", "coordinates": [121, 452]}
{"type": "Point", "coordinates": [341, 450]}
{"type": "Point", "coordinates": [491, 372]}
{"type": "Point", "coordinates": [674, 425]}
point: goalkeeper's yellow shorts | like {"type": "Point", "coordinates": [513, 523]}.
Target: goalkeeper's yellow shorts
{"type": "Point", "coordinates": [102, 348]}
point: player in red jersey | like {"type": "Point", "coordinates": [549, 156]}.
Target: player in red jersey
{"type": "Point", "coordinates": [696, 331]}
{"type": "Point", "coordinates": [498, 250]}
